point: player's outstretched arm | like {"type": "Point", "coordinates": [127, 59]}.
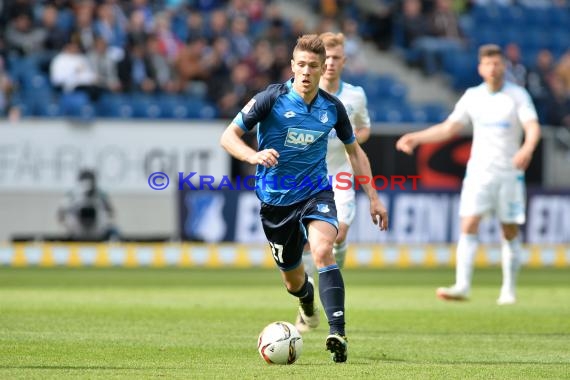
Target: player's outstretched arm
{"type": "Point", "coordinates": [361, 166]}
{"type": "Point", "coordinates": [439, 132]}
{"type": "Point", "coordinates": [522, 158]}
{"type": "Point", "coordinates": [233, 143]}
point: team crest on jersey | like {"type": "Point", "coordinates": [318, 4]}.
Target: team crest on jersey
{"type": "Point", "coordinates": [323, 116]}
{"type": "Point", "coordinates": [323, 208]}
{"type": "Point", "coordinates": [248, 106]}
{"type": "Point", "coordinates": [301, 138]}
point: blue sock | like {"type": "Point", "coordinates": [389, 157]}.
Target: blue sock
{"type": "Point", "coordinates": [306, 296]}
{"type": "Point", "coordinates": [331, 291]}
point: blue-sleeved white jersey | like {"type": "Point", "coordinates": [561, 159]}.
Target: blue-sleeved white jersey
{"type": "Point", "coordinates": [299, 132]}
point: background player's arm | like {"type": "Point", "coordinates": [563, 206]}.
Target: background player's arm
{"type": "Point", "coordinates": [439, 132]}
{"type": "Point", "coordinates": [522, 158]}
{"type": "Point", "coordinates": [361, 166]}
{"type": "Point", "coordinates": [362, 134]}
{"type": "Point", "coordinates": [233, 143]}
{"type": "Point", "coordinates": [362, 120]}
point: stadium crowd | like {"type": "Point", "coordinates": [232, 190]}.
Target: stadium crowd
{"type": "Point", "coordinates": [219, 51]}
{"type": "Point", "coordinates": [435, 35]}
{"type": "Point", "coordinates": [71, 53]}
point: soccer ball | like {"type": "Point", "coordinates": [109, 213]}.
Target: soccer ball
{"type": "Point", "coordinates": [280, 343]}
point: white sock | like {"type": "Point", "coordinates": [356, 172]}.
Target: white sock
{"type": "Point", "coordinates": [309, 263]}
{"type": "Point", "coordinates": [510, 262]}
{"type": "Point", "coordinates": [339, 251]}
{"type": "Point", "coordinates": [465, 256]}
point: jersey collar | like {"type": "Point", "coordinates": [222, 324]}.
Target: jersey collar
{"type": "Point", "coordinates": [295, 95]}
{"type": "Point", "coordinates": [340, 87]}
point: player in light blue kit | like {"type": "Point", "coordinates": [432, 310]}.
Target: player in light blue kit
{"type": "Point", "coordinates": [294, 120]}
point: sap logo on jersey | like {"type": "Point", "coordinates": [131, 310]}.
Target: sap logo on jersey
{"type": "Point", "coordinates": [301, 138]}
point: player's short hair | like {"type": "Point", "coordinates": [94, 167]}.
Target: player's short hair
{"type": "Point", "coordinates": [311, 43]}
{"type": "Point", "coordinates": [490, 50]}
{"type": "Point", "coordinates": [332, 40]}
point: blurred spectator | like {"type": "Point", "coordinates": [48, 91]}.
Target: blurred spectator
{"type": "Point", "coordinates": [190, 68]}
{"type": "Point", "coordinates": [55, 36]}
{"type": "Point", "coordinates": [563, 71]}
{"type": "Point", "coordinates": [516, 71]}
{"type": "Point", "coordinates": [14, 8]}
{"type": "Point", "coordinates": [70, 71]}
{"type": "Point", "coordinates": [235, 92]}
{"type": "Point", "coordinates": [136, 29]}
{"type": "Point", "coordinates": [558, 105]}
{"type": "Point", "coordinates": [252, 10]}
{"type": "Point", "coordinates": [538, 82]}
{"type": "Point", "coordinates": [412, 24]}
{"type": "Point", "coordinates": [281, 61]}
{"type": "Point", "coordinates": [219, 62]}
{"type": "Point", "coordinates": [121, 19]}
{"type": "Point", "coordinates": [276, 31]}
{"type": "Point", "coordinates": [136, 72]}
{"type": "Point", "coordinates": [146, 11]}
{"type": "Point", "coordinates": [445, 36]}
{"type": "Point", "coordinates": [105, 67]}
{"type": "Point", "coordinates": [84, 27]}
{"type": "Point", "coordinates": [86, 211]}
{"type": "Point", "coordinates": [108, 27]}
{"type": "Point", "coordinates": [298, 28]}
{"type": "Point", "coordinates": [327, 24]}
{"type": "Point", "coordinates": [443, 22]}
{"type": "Point", "coordinates": [239, 38]}
{"type": "Point", "coordinates": [164, 73]}
{"type": "Point", "coordinates": [6, 87]}
{"type": "Point", "coordinates": [196, 28]}
{"type": "Point", "coordinates": [353, 47]}
{"type": "Point", "coordinates": [22, 37]}
{"type": "Point", "coordinates": [169, 45]}
{"type": "Point", "coordinates": [218, 26]}
{"type": "Point", "coordinates": [377, 18]}
{"type": "Point", "coordinates": [260, 63]}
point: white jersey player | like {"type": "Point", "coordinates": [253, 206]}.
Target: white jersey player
{"type": "Point", "coordinates": [355, 101]}
{"type": "Point", "coordinates": [500, 113]}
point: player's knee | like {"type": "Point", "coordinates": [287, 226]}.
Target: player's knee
{"type": "Point", "coordinates": [510, 231]}
{"type": "Point", "coordinates": [322, 254]}
{"type": "Point", "coordinates": [470, 225]}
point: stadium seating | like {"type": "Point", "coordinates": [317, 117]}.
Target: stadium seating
{"type": "Point", "coordinates": [531, 28]}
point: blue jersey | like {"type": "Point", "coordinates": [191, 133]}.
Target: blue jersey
{"type": "Point", "coordinates": [299, 132]}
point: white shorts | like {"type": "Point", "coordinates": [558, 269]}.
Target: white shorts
{"type": "Point", "coordinates": [504, 196]}
{"type": "Point", "coordinates": [345, 205]}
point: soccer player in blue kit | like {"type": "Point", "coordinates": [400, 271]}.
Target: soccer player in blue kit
{"type": "Point", "coordinates": [297, 202]}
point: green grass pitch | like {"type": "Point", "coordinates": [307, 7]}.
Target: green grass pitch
{"type": "Point", "coordinates": [203, 324]}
